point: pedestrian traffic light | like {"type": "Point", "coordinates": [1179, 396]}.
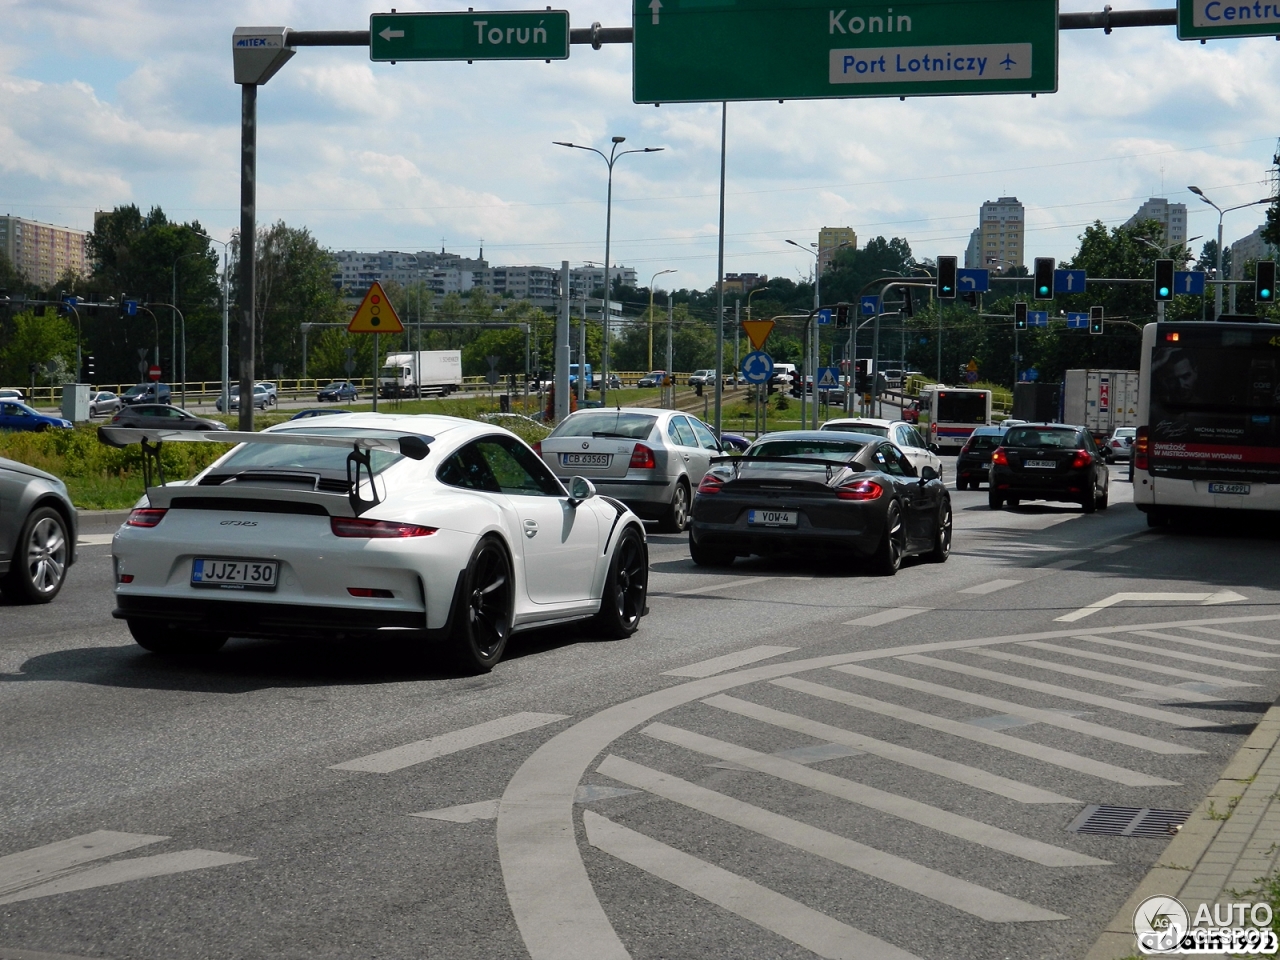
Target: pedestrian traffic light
{"type": "Point", "coordinates": [1043, 287]}
{"type": "Point", "coordinates": [1019, 316]}
{"type": "Point", "coordinates": [947, 278]}
{"type": "Point", "coordinates": [1164, 281]}
{"type": "Point", "coordinates": [1095, 320]}
{"type": "Point", "coordinates": [842, 316]}
{"type": "Point", "coordinates": [908, 305]}
{"type": "Point", "coordinates": [1264, 281]}
{"type": "Point", "coordinates": [89, 371]}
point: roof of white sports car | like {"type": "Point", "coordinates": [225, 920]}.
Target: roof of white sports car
{"type": "Point", "coordinates": [423, 424]}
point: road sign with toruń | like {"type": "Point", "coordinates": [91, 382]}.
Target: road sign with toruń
{"type": "Point", "coordinates": [706, 50]}
{"type": "Point", "coordinates": [757, 331]}
{"type": "Point", "coordinates": [475, 35]}
{"type": "Point", "coordinates": [1217, 19]}
{"type": "Point", "coordinates": [375, 314]}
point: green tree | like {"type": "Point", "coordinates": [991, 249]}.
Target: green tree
{"type": "Point", "coordinates": [328, 354]}
{"type": "Point", "coordinates": [851, 270]}
{"type": "Point", "coordinates": [41, 339]}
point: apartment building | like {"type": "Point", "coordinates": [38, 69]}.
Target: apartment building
{"type": "Point", "coordinates": [1002, 240]}
{"type": "Point", "coordinates": [43, 252]}
{"type": "Point", "coordinates": [831, 240]}
{"type": "Point", "coordinates": [1252, 247]}
{"type": "Point", "coordinates": [1172, 218]}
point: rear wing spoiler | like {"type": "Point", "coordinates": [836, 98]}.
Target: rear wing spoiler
{"type": "Point", "coordinates": [739, 462]}
{"type": "Point", "coordinates": [414, 447]}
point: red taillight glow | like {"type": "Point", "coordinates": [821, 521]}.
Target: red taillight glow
{"type": "Point", "coordinates": [860, 490]}
{"type": "Point", "coordinates": [1171, 337]}
{"type": "Point", "coordinates": [710, 485]}
{"type": "Point", "coordinates": [965, 448]}
{"type": "Point", "coordinates": [376, 529]}
{"type": "Point", "coordinates": [1081, 460]}
{"type": "Point", "coordinates": [999, 458]}
{"type": "Point", "coordinates": [1141, 448]}
{"type": "Point", "coordinates": [375, 593]}
{"type": "Point", "coordinates": [642, 458]}
{"type": "Point", "coordinates": [537, 448]}
{"type": "Point", "coordinates": [126, 578]}
{"type": "Point", "coordinates": [146, 517]}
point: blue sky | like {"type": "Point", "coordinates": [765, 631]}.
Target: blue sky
{"type": "Point", "coordinates": [133, 102]}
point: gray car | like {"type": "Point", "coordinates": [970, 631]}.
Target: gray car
{"type": "Point", "coordinates": [37, 533]}
{"type": "Point", "coordinates": [652, 460]}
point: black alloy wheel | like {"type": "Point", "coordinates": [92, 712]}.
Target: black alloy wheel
{"type": "Point", "coordinates": [40, 558]}
{"type": "Point", "coordinates": [942, 537]}
{"type": "Point", "coordinates": [1089, 502]}
{"type": "Point", "coordinates": [158, 637]}
{"type": "Point", "coordinates": [626, 589]}
{"type": "Point", "coordinates": [677, 516]}
{"type": "Point", "coordinates": [893, 545]}
{"type": "Point", "coordinates": [483, 624]}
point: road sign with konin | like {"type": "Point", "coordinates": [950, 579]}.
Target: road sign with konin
{"type": "Point", "coordinates": [969, 280]}
{"type": "Point", "coordinates": [1189, 283]}
{"type": "Point", "coordinates": [375, 314]}
{"type": "Point", "coordinates": [757, 367]}
{"type": "Point", "coordinates": [1068, 281]}
{"type": "Point", "coordinates": [475, 35]}
{"type": "Point", "coordinates": [699, 50]}
{"type": "Point", "coordinates": [1218, 19]}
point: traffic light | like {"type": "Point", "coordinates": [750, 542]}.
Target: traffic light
{"type": "Point", "coordinates": [947, 278]}
{"type": "Point", "coordinates": [1019, 316]}
{"type": "Point", "coordinates": [908, 305]}
{"type": "Point", "coordinates": [1164, 281]}
{"type": "Point", "coordinates": [842, 316]}
{"type": "Point", "coordinates": [861, 376]}
{"type": "Point", "coordinates": [1043, 288]}
{"type": "Point", "coordinates": [1264, 281]}
{"type": "Point", "coordinates": [970, 298]}
{"type": "Point", "coordinates": [1095, 320]}
{"type": "Point", "coordinates": [89, 370]}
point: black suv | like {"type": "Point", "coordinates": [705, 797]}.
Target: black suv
{"type": "Point", "coordinates": [1048, 461]}
{"type": "Point", "coordinates": [147, 393]}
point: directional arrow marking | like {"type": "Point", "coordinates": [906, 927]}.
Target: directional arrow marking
{"type": "Point", "coordinates": [655, 6]}
{"type": "Point", "coordinates": [389, 34]}
{"type": "Point", "coordinates": [1204, 599]}
{"type": "Point", "coordinates": [971, 281]}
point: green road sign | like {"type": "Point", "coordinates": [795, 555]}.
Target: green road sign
{"type": "Point", "coordinates": [1210, 19]}
{"type": "Point", "coordinates": [475, 35]}
{"type": "Point", "coordinates": [697, 50]}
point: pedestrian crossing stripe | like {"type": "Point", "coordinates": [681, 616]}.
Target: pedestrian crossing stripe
{"type": "Point", "coordinates": [375, 314]}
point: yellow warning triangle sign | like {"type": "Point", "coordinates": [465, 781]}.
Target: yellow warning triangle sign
{"type": "Point", "coordinates": [757, 331]}
{"type": "Point", "coordinates": [376, 315]}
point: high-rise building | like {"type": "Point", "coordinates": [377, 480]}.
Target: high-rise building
{"type": "Point", "coordinates": [973, 252]}
{"type": "Point", "coordinates": [1252, 247]}
{"type": "Point", "coordinates": [1172, 218]}
{"type": "Point", "coordinates": [832, 239]}
{"type": "Point", "coordinates": [42, 252]}
{"type": "Point", "coordinates": [1002, 241]}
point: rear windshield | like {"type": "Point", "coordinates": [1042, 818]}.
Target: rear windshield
{"type": "Point", "coordinates": [961, 407]}
{"type": "Point", "coordinates": [605, 423]}
{"type": "Point", "coordinates": [1126, 431]}
{"type": "Point", "coordinates": [866, 428]}
{"type": "Point", "coordinates": [327, 461]}
{"type": "Point", "coordinates": [983, 443]}
{"type": "Point", "coordinates": [1041, 437]}
{"type": "Point", "coordinates": [819, 449]}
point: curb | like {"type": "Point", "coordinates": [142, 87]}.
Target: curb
{"type": "Point", "coordinates": [1173, 869]}
{"type": "Point", "coordinates": [100, 521]}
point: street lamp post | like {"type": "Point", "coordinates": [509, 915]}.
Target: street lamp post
{"type": "Point", "coordinates": [610, 160]}
{"type": "Point", "coordinates": [651, 279]}
{"type": "Point", "coordinates": [1217, 290]}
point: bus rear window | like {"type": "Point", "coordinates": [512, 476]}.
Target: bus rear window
{"type": "Point", "coordinates": [961, 408]}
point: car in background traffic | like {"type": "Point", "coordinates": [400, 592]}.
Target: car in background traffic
{"type": "Point", "coordinates": [973, 462]}
{"type": "Point", "coordinates": [262, 397]}
{"type": "Point", "coordinates": [337, 391]}
{"type": "Point", "coordinates": [163, 415]}
{"type": "Point", "coordinates": [12, 393]}
{"type": "Point", "coordinates": [654, 378]}
{"type": "Point", "coordinates": [920, 452]}
{"type": "Point", "coordinates": [807, 492]}
{"type": "Point", "coordinates": [1119, 446]}
{"type": "Point", "coordinates": [37, 533]}
{"type": "Point", "coordinates": [22, 418]}
{"type": "Point", "coordinates": [271, 389]}
{"type": "Point", "coordinates": [733, 442]}
{"type": "Point", "coordinates": [103, 402]}
{"type": "Point", "coordinates": [147, 393]}
{"type": "Point", "coordinates": [652, 460]}
{"type": "Point", "coordinates": [702, 378]}
{"type": "Point", "coordinates": [1048, 461]}
{"type": "Point", "coordinates": [322, 412]}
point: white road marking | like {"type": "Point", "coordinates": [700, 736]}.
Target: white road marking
{"type": "Point", "coordinates": [990, 587]}
{"type": "Point", "coordinates": [464, 812]}
{"type": "Point", "coordinates": [1235, 636]}
{"type": "Point", "coordinates": [1066, 693]}
{"type": "Point", "coordinates": [886, 616]}
{"type": "Point", "coordinates": [893, 804]}
{"type": "Point", "coordinates": [1052, 718]}
{"type": "Point", "coordinates": [1138, 664]}
{"type": "Point", "coordinates": [1205, 599]}
{"type": "Point", "coordinates": [938, 766]}
{"type": "Point", "coordinates": [1203, 644]}
{"type": "Point", "coordinates": [1154, 690]}
{"type": "Point", "coordinates": [725, 585]}
{"type": "Point", "coordinates": [730, 661]}
{"type": "Point", "coordinates": [933, 884]}
{"type": "Point", "coordinates": [966, 731]}
{"type": "Point", "coordinates": [410, 754]}
{"type": "Point", "coordinates": [804, 926]}
{"type": "Point", "coordinates": [1175, 654]}
{"type": "Point", "coordinates": [40, 864]}
{"type": "Point", "coordinates": [123, 871]}
{"type": "Point", "coordinates": [94, 539]}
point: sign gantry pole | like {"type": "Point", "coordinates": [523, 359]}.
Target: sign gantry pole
{"type": "Point", "coordinates": [724, 126]}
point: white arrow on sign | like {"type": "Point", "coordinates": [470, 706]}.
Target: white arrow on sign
{"type": "Point", "coordinates": [971, 281]}
{"type": "Point", "coordinates": [1204, 599]}
{"type": "Point", "coordinates": [655, 6]}
{"type": "Point", "coordinates": [389, 34]}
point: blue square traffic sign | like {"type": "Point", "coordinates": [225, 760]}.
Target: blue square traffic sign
{"type": "Point", "coordinates": [870, 306]}
{"type": "Point", "coordinates": [1037, 318]}
{"type": "Point", "coordinates": [1068, 281]}
{"type": "Point", "coordinates": [973, 281]}
{"type": "Point", "coordinates": [824, 316]}
{"type": "Point", "coordinates": [1189, 283]}
{"type": "Point", "coordinates": [1077, 321]}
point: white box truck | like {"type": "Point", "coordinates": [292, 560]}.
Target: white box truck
{"type": "Point", "coordinates": [420, 374]}
{"type": "Point", "coordinates": [1100, 400]}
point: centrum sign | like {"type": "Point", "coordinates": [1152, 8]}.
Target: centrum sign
{"type": "Point", "coordinates": [699, 50]}
{"type": "Point", "coordinates": [474, 35]}
{"type": "Point", "coordinates": [1210, 19]}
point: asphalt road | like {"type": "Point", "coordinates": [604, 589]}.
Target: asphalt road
{"type": "Point", "coordinates": [876, 768]}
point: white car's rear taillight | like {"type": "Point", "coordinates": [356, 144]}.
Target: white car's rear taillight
{"type": "Point", "coordinates": [377, 529]}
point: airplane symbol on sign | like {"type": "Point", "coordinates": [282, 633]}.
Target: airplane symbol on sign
{"type": "Point", "coordinates": [1008, 62]}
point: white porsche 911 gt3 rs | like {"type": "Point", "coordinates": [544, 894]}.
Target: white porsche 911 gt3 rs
{"type": "Point", "coordinates": [373, 525]}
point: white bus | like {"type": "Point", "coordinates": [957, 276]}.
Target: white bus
{"type": "Point", "coordinates": [1208, 419]}
{"type": "Point", "coordinates": [953, 413]}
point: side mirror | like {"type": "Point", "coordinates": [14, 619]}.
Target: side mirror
{"type": "Point", "coordinates": [934, 448]}
{"type": "Point", "coordinates": [927, 473]}
{"type": "Point", "coordinates": [580, 488]}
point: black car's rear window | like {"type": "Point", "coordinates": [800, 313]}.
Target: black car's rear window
{"type": "Point", "coordinates": [1041, 437]}
{"type": "Point", "coordinates": [606, 423]}
{"type": "Point", "coordinates": [818, 449]}
{"type": "Point", "coordinates": [984, 443]}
